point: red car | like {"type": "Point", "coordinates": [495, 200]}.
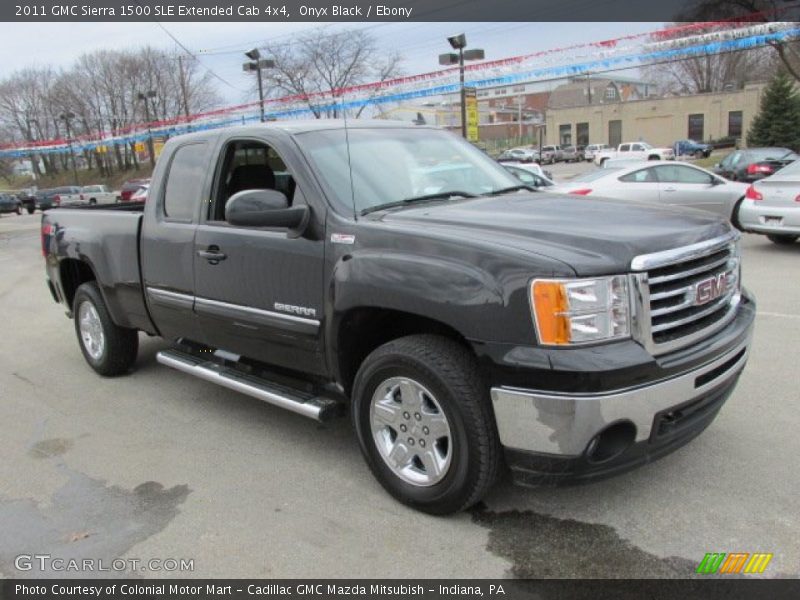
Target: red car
{"type": "Point", "coordinates": [130, 187]}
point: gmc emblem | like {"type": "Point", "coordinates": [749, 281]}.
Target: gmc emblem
{"type": "Point", "coordinates": [710, 289]}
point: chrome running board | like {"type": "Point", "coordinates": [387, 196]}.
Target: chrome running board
{"type": "Point", "coordinates": [308, 405]}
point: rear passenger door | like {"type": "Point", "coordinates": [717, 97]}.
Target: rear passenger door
{"type": "Point", "coordinates": [262, 297]}
{"type": "Point", "coordinates": [167, 246]}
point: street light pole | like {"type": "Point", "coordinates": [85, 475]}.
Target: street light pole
{"type": "Point", "coordinates": [459, 42]}
{"type": "Point", "coordinates": [463, 91]}
{"type": "Point", "coordinates": [66, 118]}
{"type": "Point", "coordinates": [256, 64]}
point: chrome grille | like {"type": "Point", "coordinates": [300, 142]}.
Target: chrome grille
{"type": "Point", "coordinates": [683, 295]}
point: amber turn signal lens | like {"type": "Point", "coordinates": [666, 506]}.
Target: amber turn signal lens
{"type": "Point", "coordinates": [549, 299]}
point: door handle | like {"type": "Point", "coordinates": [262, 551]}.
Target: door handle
{"type": "Point", "coordinates": [212, 254]}
{"type": "Point", "coordinates": [670, 189]}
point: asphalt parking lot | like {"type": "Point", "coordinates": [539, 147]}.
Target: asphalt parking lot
{"type": "Point", "coordinates": [160, 465]}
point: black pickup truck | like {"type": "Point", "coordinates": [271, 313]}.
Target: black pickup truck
{"type": "Point", "coordinates": [467, 322]}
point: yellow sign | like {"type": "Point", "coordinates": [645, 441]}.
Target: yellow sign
{"type": "Point", "coordinates": [472, 114]}
{"type": "Point", "coordinates": [138, 147]}
{"type": "Point", "coordinates": [158, 146]}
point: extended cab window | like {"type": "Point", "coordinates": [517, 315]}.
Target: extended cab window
{"type": "Point", "coordinates": [250, 165]}
{"type": "Point", "coordinates": [625, 148]}
{"type": "Point", "coordinates": [185, 182]}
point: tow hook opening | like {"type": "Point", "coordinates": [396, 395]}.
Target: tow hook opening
{"type": "Point", "coordinates": [611, 442]}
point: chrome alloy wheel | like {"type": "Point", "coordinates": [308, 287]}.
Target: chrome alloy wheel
{"type": "Point", "coordinates": [92, 336]}
{"type": "Point", "coordinates": [411, 431]}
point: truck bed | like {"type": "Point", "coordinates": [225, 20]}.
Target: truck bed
{"type": "Point", "coordinates": [106, 238]}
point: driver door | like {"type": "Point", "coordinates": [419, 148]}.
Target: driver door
{"type": "Point", "coordinates": [259, 291]}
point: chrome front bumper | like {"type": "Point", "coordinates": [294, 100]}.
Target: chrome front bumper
{"type": "Point", "coordinates": [564, 424]}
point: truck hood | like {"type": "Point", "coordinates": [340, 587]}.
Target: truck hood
{"type": "Point", "coordinates": [592, 235]}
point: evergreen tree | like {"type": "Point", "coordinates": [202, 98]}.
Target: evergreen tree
{"type": "Point", "coordinates": [778, 120]}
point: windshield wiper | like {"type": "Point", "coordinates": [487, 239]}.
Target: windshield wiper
{"type": "Point", "coordinates": [513, 188]}
{"type": "Point", "coordinates": [413, 199]}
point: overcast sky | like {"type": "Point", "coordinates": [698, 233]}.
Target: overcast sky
{"type": "Point", "coordinates": [30, 44]}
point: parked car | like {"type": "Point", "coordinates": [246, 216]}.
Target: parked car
{"type": "Point", "coordinates": [551, 154]}
{"type": "Point", "coordinates": [68, 196]}
{"type": "Point", "coordinates": [692, 148]}
{"type": "Point", "coordinates": [581, 151]}
{"type": "Point", "coordinates": [676, 183]}
{"type": "Point", "coordinates": [97, 194]}
{"type": "Point", "coordinates": [520, 154]}
{"type": "Point", "coordinates": [752, 164]}
{"type": "Point", "coordinates": [532, 177]}
{"type": "Point", "coordinates": [640, 150]}
{"type": "Point", "coordinates": [10, 204]}
{"type": "Point", "coordinates": [465, 328]}
{"type": "Point", "coordinates": [772, 206]}
{"type": "Point", "coordinates": [130, 187]}
{"type": "Point", "coordinates": [140, 195]}
{"type": "Point", "coordinates": [570, 154]}
{"type": "Point", "coordinates": [28, 199]}
{"type": "Point", "coordinates": [592, 149]}
{"type": "Point", "coordinates": [60, 196]}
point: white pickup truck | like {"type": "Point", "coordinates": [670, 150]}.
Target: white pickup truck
{"type": "Point", "coordinates": [97, 194]}
{"type": "Point", "coordinates": [635, 150]}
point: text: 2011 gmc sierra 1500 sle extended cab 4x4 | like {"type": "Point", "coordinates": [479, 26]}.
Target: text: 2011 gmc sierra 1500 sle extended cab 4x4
{"type": "Point", "coordinates": [467, 322]}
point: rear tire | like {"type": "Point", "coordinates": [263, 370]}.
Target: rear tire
{"type": "Point", "coordinates": [31, 210]}
{"type": "Point", "coordinates": [424, 391]}
{"type": "Point", "coordinates": [108, 348]}
{"type": "Point", "coordinates": [782, 240]}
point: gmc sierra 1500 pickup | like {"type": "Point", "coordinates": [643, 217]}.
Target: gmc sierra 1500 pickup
{"type": "Point", "coordinates": [467, 322]}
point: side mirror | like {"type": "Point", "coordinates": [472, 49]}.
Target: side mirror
{"type": "Point", "coordinates": [265, 208]}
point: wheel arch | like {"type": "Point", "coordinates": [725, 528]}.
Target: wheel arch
{"type": "Point", "coordinates": [363, 329]}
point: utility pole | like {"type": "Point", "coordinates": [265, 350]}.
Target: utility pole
{"type": "Point", "coordinates": [66, 117]}
{"type": "Point", "coordinates": [182, 79]}
{"type": "Point", "coordinates": [145, 96]}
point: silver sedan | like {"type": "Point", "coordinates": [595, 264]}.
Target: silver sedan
{"type": "Point", "coordinates": [772, 206]}
{"type": "Point", "coordinates": [673, 183]}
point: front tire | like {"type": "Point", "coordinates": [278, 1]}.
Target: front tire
{"type": "Point", "coordinates": [782, 240]}
{"type": "Point", "coordinates": [108, 348]}
{"type": "Point", "coordinates": [425, 425]}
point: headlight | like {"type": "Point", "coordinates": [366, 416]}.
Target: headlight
{"type": "Point", "coordinates": [576, 311]}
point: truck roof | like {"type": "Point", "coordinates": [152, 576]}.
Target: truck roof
{"type": "Point", "coordinates": [293, 127]}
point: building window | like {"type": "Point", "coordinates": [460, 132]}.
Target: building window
{"type": "Point", "coordinates": [582, 134]}
{"type": "Point", "coordinates": [611, 93]}
{"type": "Point", "coordinates": [696, 127]}
{"type": "Point", "coordinates": [614, 133]}
{"type": "Point", "coordinates": [518, 88]}
{"type": "Point", "coordinates": [501, 92]}
{"type": "Point", "coordinates": [735, 123]}
{"type": "Point", "coordinates": [565, 134]}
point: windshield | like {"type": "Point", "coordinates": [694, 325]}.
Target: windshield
{"type": "Point", "coordinates": [770, 153]}
{"type": "Point", "coordinates": [393, 165]}
{"type": "Point", "coordinates": [792, 170]}
{"type": "Point", "coordinates": [646, 146]}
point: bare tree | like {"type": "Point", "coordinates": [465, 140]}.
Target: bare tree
{"type": "Point", "coordinates": [787, 53]}
{"type": "Point", "coordinates": [102, 91]}
{"type": "Point", "coordinates": [321, 64]}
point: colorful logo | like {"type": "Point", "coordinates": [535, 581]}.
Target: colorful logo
{"type": "Point", "coordinates": [733, 563]}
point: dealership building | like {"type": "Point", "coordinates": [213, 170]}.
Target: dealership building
{"type": "Point", "coordinates": [579, 114]}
